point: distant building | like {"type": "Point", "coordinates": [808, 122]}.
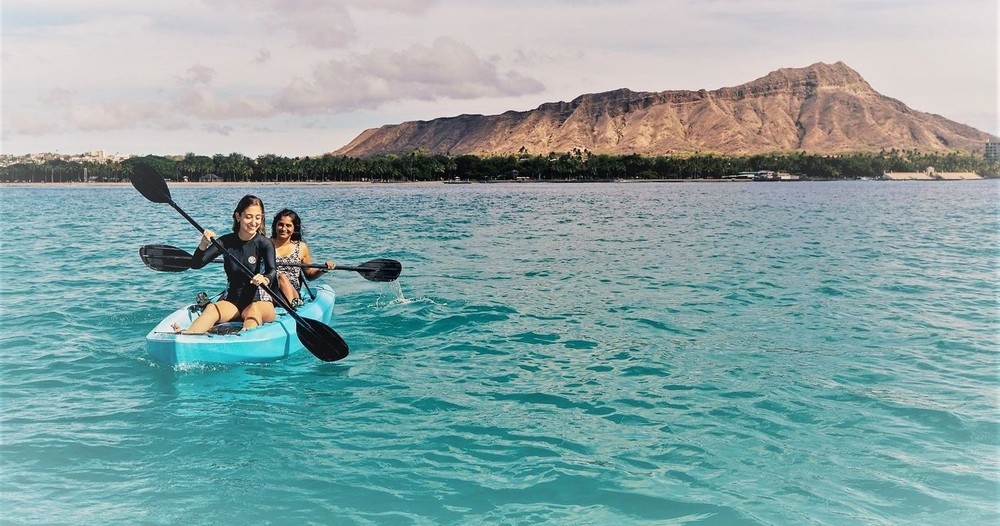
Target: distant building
{"type": "Point", "coordinates": [930, 174]}
{"type": "Point", "coordinates": [210, 178]}
{"type": "Point", "coordinates": [992, 152]}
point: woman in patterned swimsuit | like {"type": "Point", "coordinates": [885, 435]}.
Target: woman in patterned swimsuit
{"type": "Point", "coordinates": [290, 250]}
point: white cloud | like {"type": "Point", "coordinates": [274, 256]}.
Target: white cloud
{"type": "Point", "coordinates": [326, 24]}
{"type": "Point", "coordinates": [205, 104]}
{"type": "Point", "coordinates": [328, 27]}
{"type": "Point", "coordinates": [57, 97]}
{"type": "Point", "coordinates": [445, 70]}
{"type": "Point", "coordinates": [112, 116]}
{"type": "Point", "coordinates": [31, 125]}
{"type": "Point", "coordinates": [263, 55]}
{"type": "Point", "coordinates": [219, 129]}
{"type": "Point", "coordinates": [198, 74]}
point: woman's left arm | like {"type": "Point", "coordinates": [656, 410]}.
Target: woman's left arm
{"type": "Point", "coordinates": [313, 273]}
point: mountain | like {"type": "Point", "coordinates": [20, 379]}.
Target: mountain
{"type": "Point", "coordinates": [821, 109]}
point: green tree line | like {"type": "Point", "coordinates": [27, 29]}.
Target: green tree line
{"type": "Point", "coordinates": [576, 165]}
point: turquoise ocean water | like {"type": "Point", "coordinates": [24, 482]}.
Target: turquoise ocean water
{"type": "Point", "coordinates": [605, 354]}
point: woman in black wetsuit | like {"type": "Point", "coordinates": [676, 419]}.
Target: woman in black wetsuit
{"type": "Point", "coordinates": [244, 298]}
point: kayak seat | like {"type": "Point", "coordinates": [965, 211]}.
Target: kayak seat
{"type": "Point", "coordinates": [226, 328]}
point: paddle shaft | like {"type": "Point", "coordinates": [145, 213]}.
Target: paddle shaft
{"type": "Point", "coordinates": [312, 265]}
{"type": "Point", "coordinates": [173, 259]}
{"type": "Point", "coordinates": [321, 266]}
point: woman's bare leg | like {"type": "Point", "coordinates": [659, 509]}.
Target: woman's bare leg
{"type": "Point", "coordinates": [287, 290]}
{"type": "Point", "coordinates": [258, 313]}
{"type": "Point", "coordinates": [219, 311]}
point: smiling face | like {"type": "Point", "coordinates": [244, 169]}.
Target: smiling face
{"type": "Point", "coordinates": [284, 227]}
{"type": "Point", "coordinates": [248, 218]}
{"type": "Point", "coordinates": [250, 221]}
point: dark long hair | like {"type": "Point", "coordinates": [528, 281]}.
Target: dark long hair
{"type": "Point", "coordinates": [247, 201]}
{"type": "Point", "coordinates": [297, 234]}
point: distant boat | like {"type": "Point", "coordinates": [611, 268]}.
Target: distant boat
{"type": "Point", "coordinates": [762, 175]}
{"type": "Point", "coordinates": [456, 180]}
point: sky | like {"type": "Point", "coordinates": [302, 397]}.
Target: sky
{"type": "Point", "coordinates": [304, 77]}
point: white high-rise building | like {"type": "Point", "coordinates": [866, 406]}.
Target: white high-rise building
{"type": "Point", "coordinates": [992, 152]}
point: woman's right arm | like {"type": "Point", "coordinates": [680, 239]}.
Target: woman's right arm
{"type": "Point", "coordinates": [206, 251]}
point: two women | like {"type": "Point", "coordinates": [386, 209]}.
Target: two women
{"type": "Point", "coordinates": [246, 298]}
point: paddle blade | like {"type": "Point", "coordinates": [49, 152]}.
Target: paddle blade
{"type": "Point", "coordinates": [165, 258]}
{"type": "Point", "coordinates": [148, 181]}
{"type": "Point", "coordinates": [380, 270]}
{"type": "Point", "coordinates": [321, 340]}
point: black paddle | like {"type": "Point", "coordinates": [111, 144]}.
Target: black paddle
{"type": "Point", "coordinates": [166, 258]}
{"type": "Point", "coordinates": [319, 338]}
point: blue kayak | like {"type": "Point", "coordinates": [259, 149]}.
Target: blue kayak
{"type": "Point", "coordinates": [269, 342]}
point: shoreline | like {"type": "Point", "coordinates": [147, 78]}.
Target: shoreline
{"type": "Point", "coordinates": [77, 184]}
{"type": "Point", "coordinates": [217, 184]}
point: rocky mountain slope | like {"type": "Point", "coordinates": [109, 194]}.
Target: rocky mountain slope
{"type": "Point", "coordinates": [823, 109]}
